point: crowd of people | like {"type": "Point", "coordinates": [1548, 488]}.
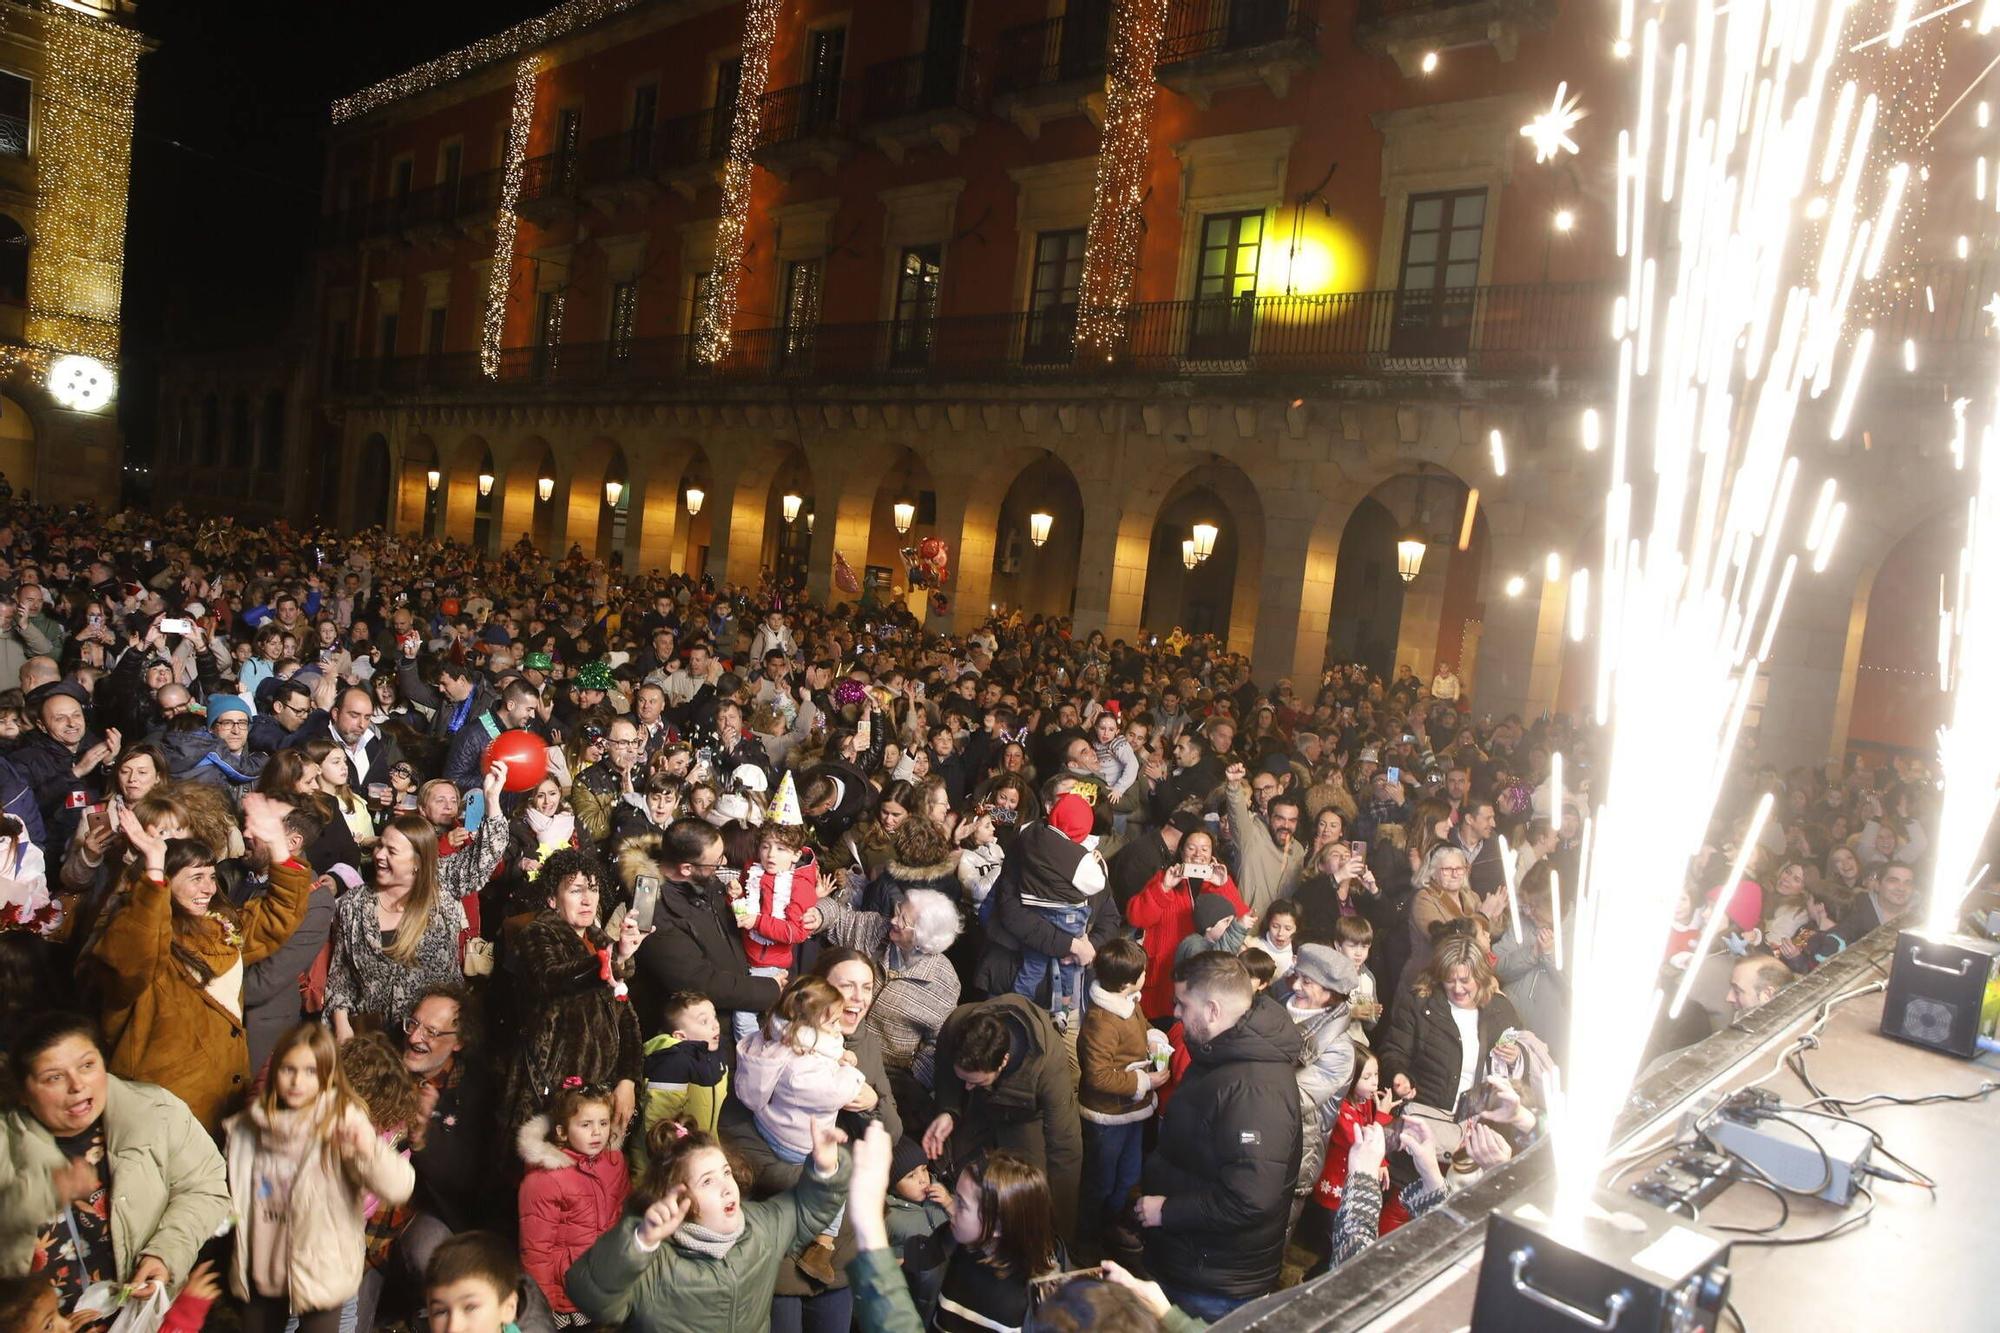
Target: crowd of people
{"type": "Point", "coordinates": [506, 940]}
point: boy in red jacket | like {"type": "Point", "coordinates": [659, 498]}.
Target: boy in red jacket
{"type": "Point", "coordinates": [780, 887]}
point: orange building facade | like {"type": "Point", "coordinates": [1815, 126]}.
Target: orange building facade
{"type": "Point", "coordinates": [1343, 270]}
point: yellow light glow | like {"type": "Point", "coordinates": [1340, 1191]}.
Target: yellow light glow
{"type": "Point", "coordinates": [1430, 62]}
{"type": "Point", "coordinates": [1516, 586]}
{"type": "Point", "coordinates": [83, 157]}
{"type": "Point", "coordinates": [1565, 220]}
{"type": "Point", "coordinates": [1329, 259]}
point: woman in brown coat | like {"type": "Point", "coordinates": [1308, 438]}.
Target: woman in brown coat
{"type": "Point", "coordinates": [568, 979]}
{"type": "Point", "coordinates": [173, 960]}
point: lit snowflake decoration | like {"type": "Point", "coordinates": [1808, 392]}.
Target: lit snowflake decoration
{"type": "Point", "coordinates": [1549, 131]}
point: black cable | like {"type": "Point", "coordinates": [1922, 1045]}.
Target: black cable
{"type": "Point", "coordinates": [1730, 1307]}
{"type": "Point", "coordinates": [1840, 1228]}
{"type": "Point", "coordinates": [1784, 1205]}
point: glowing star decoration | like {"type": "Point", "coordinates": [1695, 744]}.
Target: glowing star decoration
{"type": "Point", "coordinates": [82, 168]}
{"type": "Point", "coordinates": [81, 383]}
{"type": "Point", "coordinates": [1111, 242]}
{"type": "Point", "coordinates": [500, 276]}
{"type": "Point", "coordinates": [1549, 131]}
{"type": "Point", "coordinates": [717, 317]}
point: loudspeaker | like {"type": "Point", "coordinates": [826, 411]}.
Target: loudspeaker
{"type": "Point", "coordinates": [1629, 1266]}
{"type": "Point", "coordinates": [1944, 992]}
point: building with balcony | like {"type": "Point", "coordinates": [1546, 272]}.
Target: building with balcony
{"type": "Point", "coordinates": [67, 72]}
{"type": "Point", "coordinates": [1349, 272]}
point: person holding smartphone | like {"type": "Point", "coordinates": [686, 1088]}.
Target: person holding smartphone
{"type": "Point", "coordinates": [1164, 912]}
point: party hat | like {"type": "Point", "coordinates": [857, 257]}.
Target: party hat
{"type": "Point", "coordinates": [784, 807]}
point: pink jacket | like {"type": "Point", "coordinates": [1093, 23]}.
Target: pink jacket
{"type": "Point", "coordinates": [567, 1201]}
{"type": "Point", "coordinates": [791, 1091]}
{"type": "Point", "coordinates": [774, 939]}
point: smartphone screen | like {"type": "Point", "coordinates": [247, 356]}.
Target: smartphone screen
{"type": "Point", "coordinates": [1395, 774]}
{"type": "Point", "coordinates": [645, 898]}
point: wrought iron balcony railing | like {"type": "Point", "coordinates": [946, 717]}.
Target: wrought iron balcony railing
{"type": "Point", "coordinates": [1209, 27]}
{"type": "Point", "coordinates": [1063, 49]}
{"type": "Point", "coordinates": [823, 108]}
{"type": "Point", "coordinates": [1526, 330]}
{"type": "Point", "coordinates": [915, 84]}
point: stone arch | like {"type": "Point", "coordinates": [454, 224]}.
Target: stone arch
{"type": "Point", "coordinates": [467, 512]}
{"type": "Point", "coordinates": [1380, 618]}
{"type": "Point", "coordinates": [907, 481]}
{"type": "Point", "coordinates": [595, 503]}
{"type": "Point", "coordinates": [661, 534]}
{"type": "Point", "coordinates": [1038, 580]}
{"type": "Point", "coordinates": [1891, 695]}
{"type": "Point", "coordinates": [1220, 594]}
{"type": "Point", "coordinates": [419, 507]}
{"type": "Point", "coordinates": [18, 459]}
{"type": "Point", "coordinates": [523, 511]}
{"type": "Point", "coordinates": [372, 490]}
{"type": "Point", "coordinates": [788, 543]}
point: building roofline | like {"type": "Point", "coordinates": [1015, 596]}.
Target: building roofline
{"type": "Point", "coordinates": [565, 19]}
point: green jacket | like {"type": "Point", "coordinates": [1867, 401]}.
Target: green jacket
{"type": "Point", "coordinates": [169, 1193]}
{"type": "Point", "coordinates": [882, 1302]}
{"type": "Point", "coordinates": [672, 1290]}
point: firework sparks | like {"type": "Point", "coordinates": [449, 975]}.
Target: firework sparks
{"type": "Point", "coordinates": [1549, 131]}
{"type": "Point", "coordinates": [1722, 334]}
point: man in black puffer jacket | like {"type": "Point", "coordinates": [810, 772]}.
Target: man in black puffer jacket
{"type": "Point", "coordinates": [1216, 1193]}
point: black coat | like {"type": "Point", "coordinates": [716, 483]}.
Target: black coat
{"type": "Point", "coordinates": [1030, 1109]}
{"type": "Point", "coordinates": [856, 796]}
{"type": "Point", "coordinates": [1422, 1043]}
{"type": "Point", "coordinates": [695, 946]}
{"type": "Point", "coordinates": [1228, 1157]}
{"type": "Point", "coordinates": [1135, 864]}
{"type": "Point", "coordinates": [60, 795]}
{"type": "Point", "coordinates": [572, 1022]}
{"type": "Point", "coordinates": [1011, 927]}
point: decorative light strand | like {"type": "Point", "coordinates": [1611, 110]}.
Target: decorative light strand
{"type": "Point", "coordinates": [718, 313]}
{"type": "Point", "coordinates": [83, 169]}
{"type": "Point", "coordinates": [500, 277]}
{"type": "Point", "coordinates": [1111, 244]}
{"type": "Point", "coordinates": [527, 36]}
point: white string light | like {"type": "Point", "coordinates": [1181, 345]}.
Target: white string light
{"type": "Point", "coordinates": [717, 319]}
{"type": "Point", "coordinates": [500, 277]}
{"type": "Point", "coordinates": [1111, 242]}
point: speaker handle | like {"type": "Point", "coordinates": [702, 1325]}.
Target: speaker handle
{"type": "Point", "coordinates": [1614, 1304]}
{"type": "Point", "coordinates": [1917, 960]}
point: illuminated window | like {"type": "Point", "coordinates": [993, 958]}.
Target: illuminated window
{"type": "Point", "coordinates": [1226, 283]}
{"type": "Point", "coordinates": [15, 96]}
{"type": "Point", "coordinates": [916, 303]}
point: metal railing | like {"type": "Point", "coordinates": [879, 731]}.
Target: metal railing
{"type": "Point", "coordinates": [1207, 27]}
{"type": "Point", "coordinates": [1530, 329]}
{"type": "Point", "coordinates": [13, 136]}
{"type": "Point", "coordinates": [915, 84]}
{"type": "Point", "coordinates": [550, 176]}
{"type": "Point", "coordinates": [435, 205]}
{"type": "Point", "coordinates": [820, 109]}
{"type": "Point", "coordinates": [1058, 50]}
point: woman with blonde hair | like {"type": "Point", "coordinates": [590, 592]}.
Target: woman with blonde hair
{"type": "Point", "coordinates": [393, 940]}
{"type": "Point", "coordinates": [1445, 1038]}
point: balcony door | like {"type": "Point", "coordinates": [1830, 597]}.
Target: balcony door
{"type": "Point", "coordinates": [728, 85]}
{"type": "Point", "coordinates": [916, 305]}
{"type": "Point", "coordinates": [1226, 285]}
{"type": "Point", "coordinates": [944, 52]}
{"type": "Point", "coordinates": [1052, 298]}
{"type": "Point", "coordinates": [1254, 22]}
{"type": "Point", "coordinates": [1086, 30]}
{"type": "Point", "coordinates": [645, 111]}
{"type": "Point", "coordinates": [826, 56]}
{"type": "Point", "coordinates": [800, 315]}
{"type": "Point", "coordinates": [569, 136]}
{"type": "Point", "coordinates": [1440, 275]}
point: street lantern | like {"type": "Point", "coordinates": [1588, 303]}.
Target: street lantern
{"type": "Point", "coordinates": [545, 487]}
{"type": "Point", "coordinates": [1204, 541]}
{"type": "Point", "coordinates": [1410, 555]}
{"type": "Point", "coordinates": [906, 514]}
{"type": "Point", "coordinates": [612, 490]}
{"type": "Point", "coordinates": [1038, 527]}
{"type": "Point", "coordinates": [695, 496]}
{"type": "Point", "coordinates": [1188, 557]}
{"type": "Point", "coordinates": [433, 477]}
{"type": "Point", "coordinates": [486, 483]}
{"type": "Point", "coordinates": [792, 503]}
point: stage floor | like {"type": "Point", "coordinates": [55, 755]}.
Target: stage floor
{"type": "Point", "coordinates": [1916, 1262]}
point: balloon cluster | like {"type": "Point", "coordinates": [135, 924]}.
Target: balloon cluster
{"type": "Point", "coordinates": [929, 563]}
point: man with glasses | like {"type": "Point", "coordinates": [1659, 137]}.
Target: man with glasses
{"type": "Point", "coordinates": [694, 944]}
{"type": "Point", "coordinates": [457, 1187]}
{"type": "Point", "coordinates": [596, 794]}
{"type": "Point", "coordinates": [291, 708]}
{"type": "Point", "coordinates": [221, 756]}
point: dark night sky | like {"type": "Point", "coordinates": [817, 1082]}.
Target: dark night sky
{"type": "Point", "coordinates": [231, 123]}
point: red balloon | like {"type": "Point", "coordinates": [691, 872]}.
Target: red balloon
{"type": "Point", "coordinates": [931, 549]}
{"type": "Point", "coordinates": [526, 755]}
